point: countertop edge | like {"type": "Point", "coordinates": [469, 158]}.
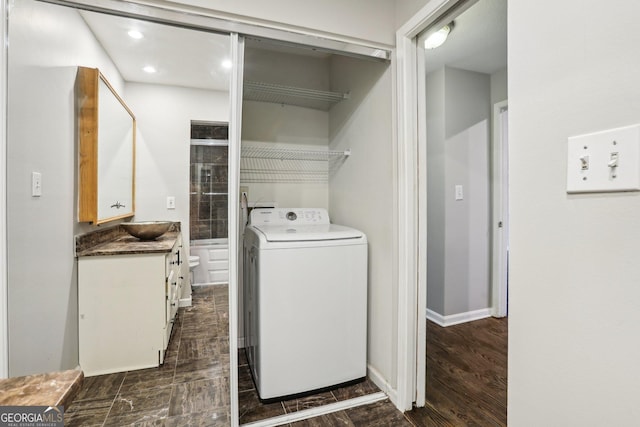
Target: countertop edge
{"type": "Point", "coordinates": [118, 242]}
{"type": "Point", "coordinates": [49, 389]}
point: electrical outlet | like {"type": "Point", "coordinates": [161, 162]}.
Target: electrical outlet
{"type": "Point", "coordinates": [171, 202]}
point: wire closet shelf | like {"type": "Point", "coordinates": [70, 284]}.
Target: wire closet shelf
{"type": "Point", "coordinates": [283, 165]}
{"type": "Point", "coordinates": [290, 95]}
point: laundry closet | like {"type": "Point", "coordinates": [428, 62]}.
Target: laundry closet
{"type": "Point", "coordinates": [313, 136]}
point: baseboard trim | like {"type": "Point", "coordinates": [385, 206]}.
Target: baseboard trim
{"type": "Point", "coordinates": [185, 302]}
{"type": "Point", "coordinates": [382, 384]}
{"type": "Point", "coordinates": [455, 319]}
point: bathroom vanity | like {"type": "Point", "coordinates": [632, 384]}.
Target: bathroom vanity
{"type": "Point", "coordinates": [128, 297]}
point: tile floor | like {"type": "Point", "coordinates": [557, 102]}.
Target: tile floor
{"type": "Point", "coordinates": [380, 414]}
{"type": "Point", "coordinates": [192, 386]}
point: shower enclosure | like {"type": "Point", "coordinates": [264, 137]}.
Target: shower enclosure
{"type": "Point", "coordinates": [208, 215]}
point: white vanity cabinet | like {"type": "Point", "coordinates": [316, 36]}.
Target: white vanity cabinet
{"type": "Point", "coordinates": [127, 304]}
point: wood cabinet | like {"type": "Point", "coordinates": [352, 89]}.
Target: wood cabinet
{"type": "Point", "coordinates": [126, 308]}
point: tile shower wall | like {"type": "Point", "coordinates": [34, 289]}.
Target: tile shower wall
{"type": "Point", "coordinates": [208, 193]}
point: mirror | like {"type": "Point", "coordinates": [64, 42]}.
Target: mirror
{"type": "Point", "coordinates": [107, 130]}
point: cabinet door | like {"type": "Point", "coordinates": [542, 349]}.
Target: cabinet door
{"type": "Point", "coordinates": [121, 312]}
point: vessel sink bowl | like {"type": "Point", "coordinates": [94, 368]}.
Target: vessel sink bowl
{"type": "Point", "coordinates": [147, 230]}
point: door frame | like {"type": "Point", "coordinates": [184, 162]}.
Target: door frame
{"type": "Point", "coordinates": [235, 245]}
{"type": "Point", "coordinates": [412, 204]}
{"type": "Point", "coordinates": [4, 289]}
{"type": "Point", "coordinates": [500, 212]}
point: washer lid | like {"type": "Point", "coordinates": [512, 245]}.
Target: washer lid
{"type": "Point", "coordinates": [300, 233]}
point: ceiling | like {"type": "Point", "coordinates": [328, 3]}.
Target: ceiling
{"type": "Point", "coordinates": [478, 41]}
{"type": "Point", "coordinates": [187, 58]}
{"type": "Point", "coordinates": [191, 58]}
{"type": "Point", "coordinates": [182, 57]}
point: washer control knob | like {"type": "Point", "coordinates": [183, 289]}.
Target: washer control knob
{"type": "Point", "coordinates": [291, 216]}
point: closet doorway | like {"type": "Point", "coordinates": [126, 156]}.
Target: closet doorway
{"type": "Point", "coordinates": [464, 78]}
{"type": "Point", "coordinates": [304, 108]}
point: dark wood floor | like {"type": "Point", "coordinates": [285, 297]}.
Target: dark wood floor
{"type": "Point", "coordinates": [466, 375]}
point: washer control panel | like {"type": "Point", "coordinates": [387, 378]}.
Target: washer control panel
{"type": "Point", "coordinates": [289, 216]}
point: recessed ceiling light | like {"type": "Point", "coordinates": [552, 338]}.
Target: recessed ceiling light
{"type": "Point", "coordinates": [438, 38]}
{"type": "Point", "coordinates": [149, 69]}
{"type": "Point", "coordinates": [227, 64]}
{"type": "Point", "coordinates": [135, 34]}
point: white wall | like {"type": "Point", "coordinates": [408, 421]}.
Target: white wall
{"type": "Point", "coordinates": [354, 19]}
{"type": "Point", "coordinates": [361, 192]}
{"type": "Point", "coordinates": [574, 270]}
{"type": "Point", "coordinates": [467, 221]}
{"type": "Point", "coordinates": [47, 43]}
{"type": "Point", "coordinates": [163, 116]}
{"type": "Point", "coordinates": [285, 126]}
{"type": "Point", "coordinates": [499, 86]}
{"type": "Point", "coordinates": [298, 67]}
{"type": "Point", "coordinates": [458, 116]}
{"type": "Point", "coordinates": [405, 9]}
{"type": "Point", "coordinates": [436, 159]}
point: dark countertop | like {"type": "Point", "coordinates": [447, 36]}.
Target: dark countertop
{"type": "Point", "coordinates": [50, 389]}
{"type": "Point", "coordinates": [116, 241]}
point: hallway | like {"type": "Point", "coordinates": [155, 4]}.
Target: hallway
{"type": "Point", "coordinates": [466, 375]}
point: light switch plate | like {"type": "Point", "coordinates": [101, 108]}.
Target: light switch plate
{"type": "Point", "coordinates": [604, 161]}
{"type": "Point", "coordinates": [459, 192]}
{"type": "Point", "coordinates": [36, 184]}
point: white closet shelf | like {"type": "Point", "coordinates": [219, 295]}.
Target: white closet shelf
{"type": "Point", "coordinates": [290, 95]}
{"type": "Point", "coordinates": [292, 154]}
{"type": "Point", "coordinates": [265, 164]}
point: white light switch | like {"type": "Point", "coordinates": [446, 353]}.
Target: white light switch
{"type": "Point", "coordinates": [459, 192]}
{"type": "Point", "coordinates": [171, 202]}
{"type": "Point", "coordinates": [36, 184]}
{"type": "Point", "coordinates": [604, 161]}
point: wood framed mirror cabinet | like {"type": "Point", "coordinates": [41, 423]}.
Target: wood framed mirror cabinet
{"type": "Point", "coordinates": [106, 136]}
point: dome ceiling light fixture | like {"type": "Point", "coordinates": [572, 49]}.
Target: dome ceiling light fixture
{"type": "Point", "coordinates": [135, 34]}
{"type": "Point", "coordinates": [439, 37]}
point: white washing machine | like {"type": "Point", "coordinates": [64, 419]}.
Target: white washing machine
{"type": "Point", "coordinates": [305, 301]}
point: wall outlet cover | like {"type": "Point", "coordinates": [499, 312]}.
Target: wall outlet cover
{"type": "Point", "coordinates": [171, 202]}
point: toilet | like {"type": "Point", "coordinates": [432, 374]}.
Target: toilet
{"type": "Point", "coordinates": [194, 261]}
